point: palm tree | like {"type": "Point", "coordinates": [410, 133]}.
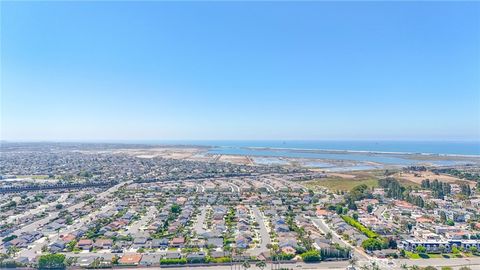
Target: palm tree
{"type": "Point", "coordinates": [12, 251]}
{"type": "Point", "coordinates": [273, 255]}
{"type": "Point", "coordinates": [353, 261]}
{"type": "Point", "coordinates": [375, 266]}
{"type": "Point", "coordinates": [404, 266]}
{"type": "Point", "coordinates": [261, 265]}
{"type": "Point", "coordinates": [246, 264]}
{"type": "Point", "coordinates": [364, 267]}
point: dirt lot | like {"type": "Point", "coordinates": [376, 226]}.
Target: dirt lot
{"type": "Point", "coordinates": [235, 159]}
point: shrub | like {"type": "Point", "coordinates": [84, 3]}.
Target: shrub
{"type": "Point", "coordinates": [51, 261]}
{"type": "Point", "coordinates": [311, 256]}
{"type": "Point", "coordinates": [373, 244]}
{"type": "Point", "coordinates": [352, 222]}
{"type": "Point", "coordinates": [173, 261]}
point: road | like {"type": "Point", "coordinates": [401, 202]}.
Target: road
{"type": "Point", "coordinates": [379, 211]}
{"type": "Point", "coordinates": [298, 265]}
{"type": "Point", "coordinates": [235, 188]}
{"type": "Point", "coordinates": [198, 227]}
{"type": "Point", "coordinates": [359, 254]}
{"type": "Point", "coordinates": [36, 210]}
{"type": "Point", "coordinates": [200, 188]}
{"type": "Point", "coordinates": [35, 247]}
{"type": "Point", "coordinates": [264, 236]}
{"type": "Point", "coordinates": [272, 189]}
{"type": "Point", "coordinates": [136, 227]}
{"type": "Point", "coordinates": [472, 262]}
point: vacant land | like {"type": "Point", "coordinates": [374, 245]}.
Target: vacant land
{"type": "Point", "coordinates": [345, 182]}
{"type": "Point", "coordinates": [417, 177]}
{"type": "Point", "coordinates": [235, 159]}
{"type": "Point", "coordinates": [338, 183]}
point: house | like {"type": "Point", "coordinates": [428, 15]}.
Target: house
{"type": "Point", "coordinates": [173, 255]}
{"type": "Point", "coordinates": [219, 254]}
{"type": "Point", "coordinates": [321, 243]}
{"type": "Point", "coordinates": [322, 212]}
{"type": "Point", "coordinates": [197, 257]}
{"type": "Point", "coordinates": [23, 260]}
{"type": "Point", "coordinates": [282, 228]}
{"type": "Point", "coordinates": [242, 241]}
{"type": "Point", "coordinates": [159, 243]}
{"type": "Point", "coordinates": [216, 242]}
{"type": "Point", "coordinates": [68, 237]}
{"type": "Point", "coordinates": [85, 261]}
{"type": "Point", "coordinates": [438, 245]}
{"type": "Point", "coordinates": [130, 259]}
{"type": "Point", "coordinates": [287, 242]}
{"type": "Point", "coordinates": [288, 250]}
{"type": "Point", "coordinates": [177, 242]}
{"type": "Point", "coordinates": [140, 240]}
{"type": "Point", "coordinates": [103, 243]}
{"type": "Point", "coordinates": [150, 260]}
{"type": "Point", "coordinates": [85, 244]}
{"type": "Point", "coordinates": [57, 246]}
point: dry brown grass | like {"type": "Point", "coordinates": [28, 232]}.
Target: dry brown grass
{"type": "Point", "coordinates": [417, 177]}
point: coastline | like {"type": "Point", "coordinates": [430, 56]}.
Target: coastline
{"type": "Point", "coordinates": [337, 151]}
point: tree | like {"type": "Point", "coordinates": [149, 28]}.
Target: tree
{"type": "Point", "coordinates": [246, 265]}
{"type": "Point", "coordinates": [372, 244]}
{"type": "Point", "coordinates": [421, 249]}
{"type": "Point", "coordinates": [52, 261]}
{"type": "Point", "coordinates": [339, 209]}
{"type": "Point", "coordinates": [71, 245]}
{"type": "Point", "coordinates": [12, 251]}
{"type": "Point", "coordinates": [175, 208]}
{"type": "Point", "coordinates": [465, 268]}
{"type": "Point", "coordinates": [369, 208]}
{"type": "Point", "coordinates": [429, 268]}
{"type": "Point", "coordinates": [9, 238]}
{"type": "Point", "coordinates": [374, 266]}
{"type": "Point", "coordinates": [442, 248]}
{"type": "Point", "coordinates": [261, 264]}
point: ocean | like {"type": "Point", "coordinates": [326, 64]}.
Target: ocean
{"type": "Point", "coordinates": [471, 148]}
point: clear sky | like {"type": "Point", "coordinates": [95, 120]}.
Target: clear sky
{"type": "Point", "coordinates": [240, 70]}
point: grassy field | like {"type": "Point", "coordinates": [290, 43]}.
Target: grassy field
{"type": "Point", "coordinates": [338, 183]}
{"type": "Point", "coordinates": [346, 181]}
{"type": "Point", "coordinates": [33, 176]}
{"type": "Point", "coordinates": [412, 255]}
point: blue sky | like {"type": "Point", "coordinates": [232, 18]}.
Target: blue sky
{"type": "Point", "coordinates": [240, 70]}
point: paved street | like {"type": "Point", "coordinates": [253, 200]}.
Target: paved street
{"type": "Point", "coordinates": [299, 265]}
{"type": "Point", "coordinates": [200, 222]}
{"type": "Point", "coordinates": [36, 246]}
{"type": "Point", "coordinates": [264, 236]}
{"type": "Point", "coordinates": [137, 226]}
{"type": "Point", "coordinates": [322, 226]}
